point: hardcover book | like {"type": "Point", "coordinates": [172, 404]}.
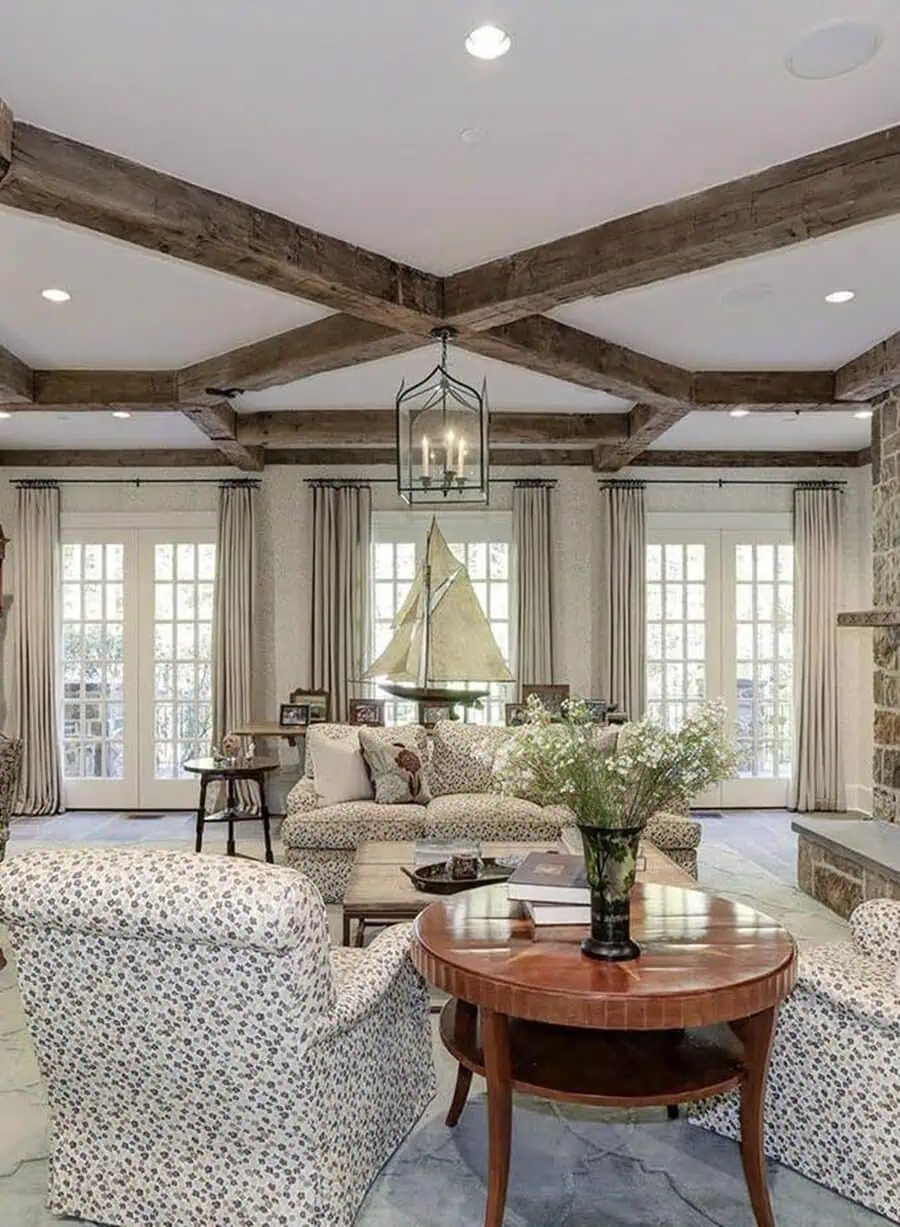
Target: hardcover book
{"type": "Point", "coordinates": [557, 913]}
{"type": "Point", "coordinates": [550, 877]}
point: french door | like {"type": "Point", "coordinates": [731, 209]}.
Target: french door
{"type": "Point", "coordinates": [136, 661]}
{"type": "Point", "coordinates": [719, 623]}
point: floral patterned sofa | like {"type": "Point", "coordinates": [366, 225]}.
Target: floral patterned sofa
{"type": "Point", "coordinates": [209, 1059]}
{"type": "Point", "coordinates": [834, 1082]}
{"type": "Point", "coordinates": [321, 841]}
{"type": "Point", "coordinates": [10, 766]}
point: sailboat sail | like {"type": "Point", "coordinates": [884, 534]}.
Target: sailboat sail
{"type": "Point", "coordinates": [441, 632]}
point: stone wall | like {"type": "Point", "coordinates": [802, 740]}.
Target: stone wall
{"type": "Point", "coordinates": [886, 593]}
{"type": "Point", "coordinates": [840, 882]}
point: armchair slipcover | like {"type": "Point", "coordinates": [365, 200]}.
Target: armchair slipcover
{"type": "Point", "coordinates": [208, 1058]}
{"type": "Point", "coordinates": [10, 766]}
{"type": "Point", "coordinates": [833, 1101]}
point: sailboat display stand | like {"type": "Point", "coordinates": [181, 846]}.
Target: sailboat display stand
{"type": "Point", "coordinates": [441, 635]}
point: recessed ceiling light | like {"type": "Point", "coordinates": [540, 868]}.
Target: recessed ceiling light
{"type": "Point", "coordinates": [488, 43]}
{"type": "Point", "coordinates": [472, 136]}
{"type": "Point", "coordinates": [56, 295]}
{"type": "Point", "coordinates": [739, 413]}
{"type": "Point", "coordinates": [833, 50]}
{"type": "Point", "coordinates": [5, 414]}
{"type": "Point", "coordinates": [840, 296]}
{"type": "Point", "coordinates": [864, 413]}
{"type": "Point", "coordinates": [121, 413]}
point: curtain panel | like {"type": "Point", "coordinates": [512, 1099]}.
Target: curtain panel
{"type": "Point", "coordinates": [233, 607]}
{"type": "Point", "coordinates": [623, 599]}
{"type": "Point", "coordinates": [532, 535]}
{"type": "Point", "coordinates": [35, 634]}
{"type": "Point", "coordinates": [817, 779]}
{"type": "Point", "coordinates": [342, 534]}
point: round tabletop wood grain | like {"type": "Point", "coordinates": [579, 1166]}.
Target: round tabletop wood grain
{"type": "Point", "coordinates": [243, 766]}
{"type": "Point", "coordinates": [703, 960]}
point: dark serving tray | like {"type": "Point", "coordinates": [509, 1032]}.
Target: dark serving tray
{"type": "Point", "coordinates": [436, 880]}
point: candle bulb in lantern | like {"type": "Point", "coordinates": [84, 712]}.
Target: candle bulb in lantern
{"type": "Point", "coordinates": [425, 456]}
{"type": "Point", "coordinates": [448, 462]}
{"type": "Point", "coordinates": [461, 459]}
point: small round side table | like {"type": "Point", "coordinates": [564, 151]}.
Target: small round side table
{"type": "Point", "coordinates": [254, 769]}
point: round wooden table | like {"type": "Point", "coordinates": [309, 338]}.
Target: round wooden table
{"type": "Point", "coordinates": [253, 769]}
{"type": "Point", "coordinates": [531, 1013]}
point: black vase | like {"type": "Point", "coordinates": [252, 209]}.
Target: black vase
{"type": "Point", "coordinates": [610, 855]}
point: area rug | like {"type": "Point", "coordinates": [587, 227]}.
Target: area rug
{"type": "Point", "coordinates": [569, 1170]}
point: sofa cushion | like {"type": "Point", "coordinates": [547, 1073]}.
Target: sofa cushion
{"type": "Point", "coordinates": [487, 816]}
{"type": "Point", "coordinates": [397, 767]}
{"type": "Point", "coordinates": [347, 825]}
{"type": "Point", "coordinates": [341, 772]}
{"type": "Point", "coordinates": [341, 732]}
{"type": "Point", "coordinates": [462, 757]}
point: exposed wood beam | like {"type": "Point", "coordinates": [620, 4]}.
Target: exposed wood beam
{"type": "Point", "coordinates": [16, 379]}
{"type": "Point", "coordinates": [818, 194]}
{"type": "Point", "coordinates": [219, 423]}
{"type": "Point", "coordinates": [120, 458]}
{"type": "Point", "coordinates": [61, 178]}
{"type": "Point", "coordinates": [6, 138]}
{"type": "Point", "coordinates": [369, 457]}
{"type": "Point", "coordinates": [753, 460]}
{"type": "Point", "coordinates": [645, 425]}
{"type": "Point", "coordinates": [555, 349]}
{"type": "Point", "coordinates": [762, 390]}
{"type": "Point", "coordinates": [377, 427]}
{"type": "Point", "coordinates": [326, 345]}
{"type": "Point", "coordinates": [105, 389]}
{"type": "Point", "coordinates": [875, 371]}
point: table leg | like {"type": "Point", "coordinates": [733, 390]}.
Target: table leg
{"type": "Point", "coordinates": [201, 813]}
{"type": "Point", "coordinates": [756, 1034]}
{"type": "Point", "coordinates": [229, 806]}
{"type": "Point", "coordinates": [498, 1073]}
{"type": "Point", "coordinates": [264, 813]}
{"type": "Point", "coordinates": [466, 1022]}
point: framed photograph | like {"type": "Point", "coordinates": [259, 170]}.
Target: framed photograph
{"type": "Point", "coordinates": [516, 714]}
{"type": "Point", "coordinates": [599, 710]}
{"type": "Point", "coordinates": [317, 700]}
{"type": "Point", "coordinates": [293, 715]}
{"type": "Point", "coordinates": [552, 697]}
{"type": "Point", "coordinates": [430, 713]}
{"type": "Point", "coordinates": [367, 711]}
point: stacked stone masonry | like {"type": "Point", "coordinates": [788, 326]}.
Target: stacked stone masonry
{"type": "Point", "coordinates": [886, 592]}
{"type": "Point", "coordinates": [840, 882]}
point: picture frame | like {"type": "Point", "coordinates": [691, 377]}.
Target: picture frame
{"type": "Point", "coordinates": [368, 713]}
{"type": "Point", "coordinates": [293, 715]}
{"type": "Point", "coordinates": [599, 710]}
{"type": "Point", "coordinates": [516, 714]}
{"type": "Point", "coordinates": [431, 713]}
{"type": "Point", "coordinates": [317, 700]}
{"type": "Point", "coordinates": [552, 696]}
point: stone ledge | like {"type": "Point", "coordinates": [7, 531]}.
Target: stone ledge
{"type": "Point", "coordinates": [841, 863]}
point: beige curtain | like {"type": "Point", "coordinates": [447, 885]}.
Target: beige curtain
{"type": "Point", "coordinates": [342, 531]}
{"type": "Point", "coordinates": [34, 714]}
{"type": "Point", "coordinates": [817, 780]}
{"type": "Point", "coordinates": [534, 582]}
{"type": "Point", "coordinates": [233, 606]}
{"type": "Point", "coordinates": [623, 596]}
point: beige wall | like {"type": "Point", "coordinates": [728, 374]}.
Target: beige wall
{"type": "Point", "coordinates": [282, 638]}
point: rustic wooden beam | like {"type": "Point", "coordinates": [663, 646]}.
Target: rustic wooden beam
{"type": "Point", "coordinates": [871, 373]}
{"type": "Point", "coordinates": [645, 425]}
{"type": "Point", "coordinates": [120, 458]}
{"type": "Point", "coordinates": [812, 196]}
{"type": "Point", "coordinates": [752, 460]}
{"type": "Point", "coordinates": [369, 457]}
{"type": "Point", "coordinates": [6, 138]}
{"type": "Point", "coordinates": [16, 379]}
{"type": "Point", "coordinates": [219, 423]}
{"type": "Point", "coordinates": [544, 345]}
{"type": "Point", "coordinates": [86, 390]}
{"type": "Point", "coordinates": [762, 390]}
{"type": "Point", "coordinates": [377, 427]}
{"type": "Point", "coordinates": [61, 178]}
{"type": "Point", "coordinates": [326, 345]}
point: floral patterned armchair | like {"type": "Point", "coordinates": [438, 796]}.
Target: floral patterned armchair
{"type": "Point", "coordinates": [10, 766]}
{"type": "Point", "coordinates": [209, 1059]}
{"type": "Point", "coordinates": [834, 1084]}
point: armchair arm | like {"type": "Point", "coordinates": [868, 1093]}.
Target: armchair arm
{"type": "Point", "coordinates": [302, 796]}
{"type": "Point", "coordinates": [368, 975]}
{"type": "Point", "coordinates": [875, 928]}
{"type": "Point", "coordinates": [840, 976]}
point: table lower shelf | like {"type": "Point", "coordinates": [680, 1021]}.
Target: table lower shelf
{"type": "Point", "coordinates": [605, 1068]}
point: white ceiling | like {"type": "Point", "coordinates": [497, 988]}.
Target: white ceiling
{"type": "Point", "coordinates": [765, 313]}
{"type": "Point", "coordinates": [49, 431]}
{"type": "Point", "coordinates": [766, 432]}
{"type": "Point", "coordinates": [374, 385]}
{"type": "Point", "coordinates": [129, 308]}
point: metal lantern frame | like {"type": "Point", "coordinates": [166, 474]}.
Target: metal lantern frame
{"type": "Point", "coordinates": [441, 391]}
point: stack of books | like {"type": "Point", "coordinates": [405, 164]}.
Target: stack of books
{"type": "Point", "coordinates": [553, 889]}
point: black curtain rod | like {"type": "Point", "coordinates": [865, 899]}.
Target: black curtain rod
{"type": "Point", "coordinates": [139, 481]}
{"type": "Point", "coordinates": [392, 481]}
{"type": "Point", "coordinates": [725, 481]}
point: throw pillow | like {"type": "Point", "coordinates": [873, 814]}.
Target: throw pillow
{"type": "Point", "coordinates": [341, 773]}
{"type": "Point", "coordinates": [396, 767]}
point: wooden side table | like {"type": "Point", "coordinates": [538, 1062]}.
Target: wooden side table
{"type": "Point", "coordinates": [253, 769]}
{"type": "Point", "coordinates": [531, 1013]}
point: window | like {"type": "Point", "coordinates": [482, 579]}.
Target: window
{"type": "Point", "coordinates": [482, 542]}
{"type": "Point", "coordinates": [676, 630]}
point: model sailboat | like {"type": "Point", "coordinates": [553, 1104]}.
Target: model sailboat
{"type": "Point", "coordinates": [441, 634]}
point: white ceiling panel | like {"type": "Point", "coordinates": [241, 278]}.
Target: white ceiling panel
{"type": "Point", "coordinates": [51, 431]}
{"type": "Point", "coordinates": [768, 312]}
{"type": "Point", "coordinates": [129, 307]}
{"type": "Point", "coordinates": [374, 385]}
{"type": "Point", "coordinates": [766, 432]}
{"type": "Point", "coordinates": [346, 115]}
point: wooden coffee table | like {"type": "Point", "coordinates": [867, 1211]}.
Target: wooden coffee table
{"type": "Point", "coordinates": [531, 1013]}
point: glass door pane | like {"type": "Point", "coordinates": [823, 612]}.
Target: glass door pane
{"type": "Point", "coordinates": [677, 680]}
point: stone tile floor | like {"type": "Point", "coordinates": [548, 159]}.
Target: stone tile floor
{"type": "Point", "coordinates": [746, 855]}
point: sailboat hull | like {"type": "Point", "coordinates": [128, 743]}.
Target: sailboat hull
{"type": "Point", "coordinates": [432, 694]}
